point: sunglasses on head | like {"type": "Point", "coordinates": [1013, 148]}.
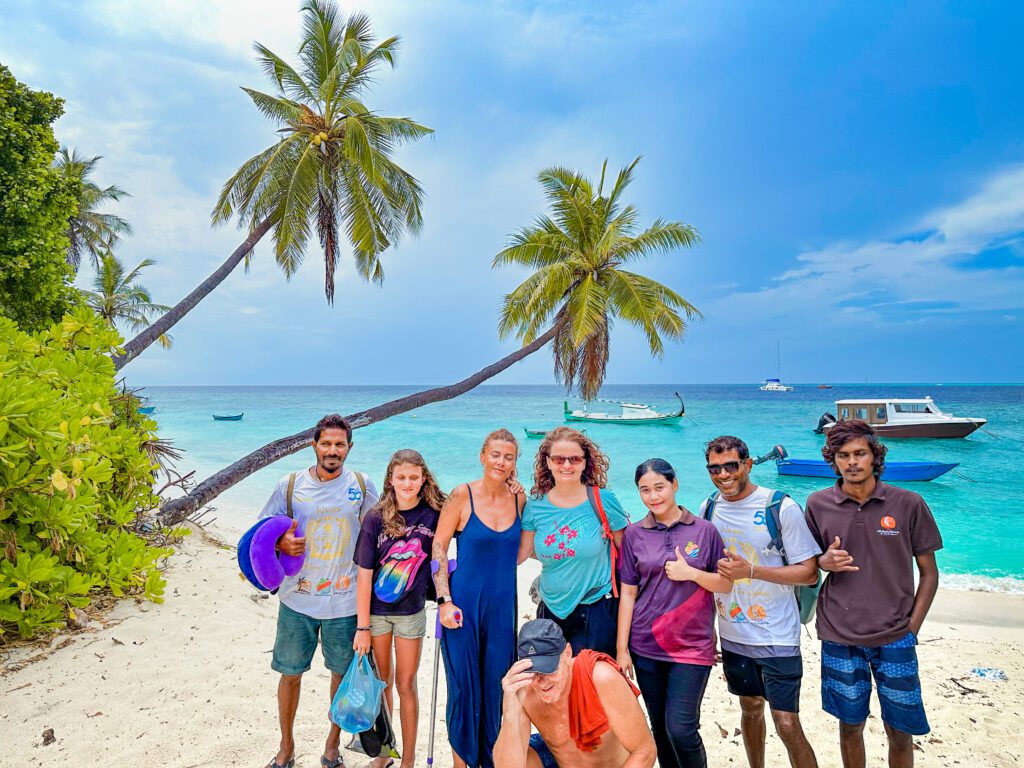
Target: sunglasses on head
{"type": "Point", "coordinates": [574, 460]}
{"type": "Point", "coordinates": [726, 466]}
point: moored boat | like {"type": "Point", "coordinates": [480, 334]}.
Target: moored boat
{"type": "Point", "coordinates": [894, 472]}
{"type": "Point", "coordinates": [228, 417]}
{"type": "Point", "coordinates": [901, 417]}
{"type": "Point", "coordinates": [629, 413]}
{"type": "Point", "coordinates": [775, 385]}
{"type": "Point", "coordinates": [147, 409]}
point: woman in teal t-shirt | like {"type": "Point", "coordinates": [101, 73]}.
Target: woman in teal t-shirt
{"type": "Point", "coordinates": [564, 530]}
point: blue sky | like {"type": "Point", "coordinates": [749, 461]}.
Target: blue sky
{"type": "Point", "coordinates": [856, 171]}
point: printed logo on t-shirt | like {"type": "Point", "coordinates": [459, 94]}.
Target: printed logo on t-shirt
{"type": "Point", "coordinates": [691, 549]}
{"type": "Point", "coordinates": [398, 569]}
{"type": "Point", "coordinates": [888, 528]}
{"type": "Point", "coordinates": [354, 494]}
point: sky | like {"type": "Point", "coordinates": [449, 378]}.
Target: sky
{"type": "Point", "coordinates": [855, 170]}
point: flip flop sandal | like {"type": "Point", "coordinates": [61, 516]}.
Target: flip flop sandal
{"type": "Point", "coordinates": [337, 762]}
{"type": "Point", "coordinates": [274, 764]}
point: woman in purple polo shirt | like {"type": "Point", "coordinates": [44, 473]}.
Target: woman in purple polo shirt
{"type": "Point", "coordinates": [667, 613]}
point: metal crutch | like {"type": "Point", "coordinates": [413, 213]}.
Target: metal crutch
{"type": "Point", "coordinates": [452, 565]}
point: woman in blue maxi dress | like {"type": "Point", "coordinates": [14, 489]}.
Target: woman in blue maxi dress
{"type": "Point", "coordinates": [477, 604]}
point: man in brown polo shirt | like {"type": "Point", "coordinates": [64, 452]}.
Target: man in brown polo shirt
{"type": "Point", "coordinates": [869, 613]}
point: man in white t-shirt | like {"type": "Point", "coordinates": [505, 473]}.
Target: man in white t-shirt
{"type": "Point", "coordinates": [759, 620]}
{"type": "Point", "coordinates": [328, 502]}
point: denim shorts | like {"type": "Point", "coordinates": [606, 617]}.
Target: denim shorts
{"type": "Point", "coordinates": [846, 672]}
{"type": "Point", "coordinates": [411, 627]}
{"type": "Point", "coordinates": [297, 637]}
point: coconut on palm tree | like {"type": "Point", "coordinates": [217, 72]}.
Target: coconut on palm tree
{"type": "Point", "coordinates": [118, 297]}
{"type": "Point", "coordinates": [578, 289]}
{"type": "Point", "coordinates": [89, 230]}
{"type": "Point", "coordinates": [331, 172]}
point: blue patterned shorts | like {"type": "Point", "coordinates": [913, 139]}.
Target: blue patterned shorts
{"type": "Point", "coordinates": [846, 672]}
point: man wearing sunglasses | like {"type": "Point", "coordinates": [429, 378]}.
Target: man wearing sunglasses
{"type": "Point", "coordinates": [759, 620]}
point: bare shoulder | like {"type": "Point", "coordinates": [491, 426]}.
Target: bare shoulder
{"type": "Point", "coordinates": [607, 675]}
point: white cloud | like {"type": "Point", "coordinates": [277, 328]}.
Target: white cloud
{"type": "Point", "coordinates": [897, 280]}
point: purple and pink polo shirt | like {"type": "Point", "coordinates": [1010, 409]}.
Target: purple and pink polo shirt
{"type": "Point", "coordinates": [672, 620]}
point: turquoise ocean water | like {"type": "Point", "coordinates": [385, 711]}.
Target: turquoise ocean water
{"type": "Point", "coordinates": [978, 509]}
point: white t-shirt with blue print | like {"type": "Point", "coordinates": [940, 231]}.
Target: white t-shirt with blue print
{"type": "Point", "coordinates": [328, 514]}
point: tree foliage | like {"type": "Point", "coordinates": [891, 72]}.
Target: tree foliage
{"type": "Point", "coordinates": [76, 471]}
{"type": "Point", "coordinates": [580, 284]}
{"type": "Point", "coordinates": [332, 170]}
{"type": "Point", "coordinates": [89, 230]}
{"type": "Point", "coordinates": [117, 297]}
{"type": "Point", "coordinates": [36, 202]}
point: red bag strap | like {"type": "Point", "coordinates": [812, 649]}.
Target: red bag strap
{"type": "Point", "coordinates": [594, 494]}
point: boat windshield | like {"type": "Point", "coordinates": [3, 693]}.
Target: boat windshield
{"type": "Point", "coordinates": [914, 408]}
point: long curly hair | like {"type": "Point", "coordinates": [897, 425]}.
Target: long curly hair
{"type": "Point", "coordinates": [387, 507]}
{"type": "Point", "coordinates": [846, 430]}
{"type": "Point", "coordinates": [595, 468]}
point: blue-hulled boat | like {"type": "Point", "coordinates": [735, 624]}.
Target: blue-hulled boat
{"type": "Point", "coordinates": [147, 409]}
{"type": "Point", "coordinates": [232, 417]}
{"type": "Point", "coordinates": [895, 471]}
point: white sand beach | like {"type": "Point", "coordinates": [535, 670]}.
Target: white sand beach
{"type": "Point", "coordinates": [188, 683]}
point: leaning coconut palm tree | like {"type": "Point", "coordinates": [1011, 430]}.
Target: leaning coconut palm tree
{"type": "Point", "coordinates": [577, 291]}
{"type": "Point", "coordinates": [90, 231]}
{"type": "Point", "coordinates": [118, 298]}
{"type": "Point", "coordinates": [332, 170]}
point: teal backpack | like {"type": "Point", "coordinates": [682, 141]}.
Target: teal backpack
{"type": "Point", "coordinates": [807, 595]}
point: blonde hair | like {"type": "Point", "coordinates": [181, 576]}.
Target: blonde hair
{"type": "Point", "coordinates": [595, 466]}
{"type": "Point", "coordinates": [430, 493]}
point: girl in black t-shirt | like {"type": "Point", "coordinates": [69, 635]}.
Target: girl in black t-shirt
{"type": "Point", "coordinates": [393, 554]}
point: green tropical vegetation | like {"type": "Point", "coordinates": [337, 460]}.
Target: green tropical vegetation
{"type": "Point", "coordinates": [117, 297]}
{"type": "Point", "coordinates": [331, 171]}
{"type": "Point", "coordinates": [77, 467]}
{"type": "Point", "coordinates": [89, 230]}
{"type": "Point", "coordinates": [576, 292]}
{"type": "Point", "coordinates": [36, 201]}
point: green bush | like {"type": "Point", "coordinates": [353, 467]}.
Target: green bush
{"type": "Point", "coordinates": [75, 475]}
{"type": "Point", "coordinates": [35, 204]}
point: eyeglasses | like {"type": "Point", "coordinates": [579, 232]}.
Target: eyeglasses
{"type": "Point", "coordinates": [728, 466]}
{"type": "Point", "coordinates": [574, 460]}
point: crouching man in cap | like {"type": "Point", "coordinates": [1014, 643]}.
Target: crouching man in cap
{"type": "Point", "coordinates": [584, 708]}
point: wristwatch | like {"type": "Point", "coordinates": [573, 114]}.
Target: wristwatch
{"type": "Point", "coordinates": [441, 600]}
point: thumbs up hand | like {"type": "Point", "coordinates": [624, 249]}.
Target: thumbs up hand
{"type": "Point", "coordinates": [733, 566]}
{"type": "Point", "coordinates": [679, 569]}
{"type": "Point", "coordinates": [836, 558]}
{"type": "Point", "coordinates": [290, 544]}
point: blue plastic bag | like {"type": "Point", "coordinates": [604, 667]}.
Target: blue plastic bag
{"type": "Point", "coordinates": [357, 702]}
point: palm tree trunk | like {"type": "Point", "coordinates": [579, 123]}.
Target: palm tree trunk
{"type": "Point", "coordinates": [135, 347]}
{"type": "Point", "coordinates": [176, 510]}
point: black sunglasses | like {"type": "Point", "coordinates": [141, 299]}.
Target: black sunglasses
{"type": "Point", "coordinates": [728, 466]}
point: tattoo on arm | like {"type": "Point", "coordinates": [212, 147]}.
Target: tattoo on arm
{"type": "Point", "coordinates": [446, 527]}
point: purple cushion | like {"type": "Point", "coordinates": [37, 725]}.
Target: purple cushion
{"type": "Point", "coordinates": [268, 565]}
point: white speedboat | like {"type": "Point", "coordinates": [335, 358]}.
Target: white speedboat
{"type": "Point", "coordinates": [629, 413]}
{"type": "Point", "coordinates": [901, 417]}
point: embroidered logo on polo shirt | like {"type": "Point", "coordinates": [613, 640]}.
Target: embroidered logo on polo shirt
{"type": "Point", "coordinates": [888, 526]}
{"type": "Point", "coordinates": [691, 549]}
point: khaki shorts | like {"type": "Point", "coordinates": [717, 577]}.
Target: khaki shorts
{"type": "Point", "coordinates": [409, 627]}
